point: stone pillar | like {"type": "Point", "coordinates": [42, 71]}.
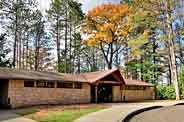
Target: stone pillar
{"type": "Point", "coordinates": [96, 94]}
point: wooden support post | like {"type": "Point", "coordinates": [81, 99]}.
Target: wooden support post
{"type": "Point", "coordinates": [96, 94]}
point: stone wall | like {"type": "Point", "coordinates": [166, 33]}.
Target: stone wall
{"type": "Point", "coordinates": [21, 96]}
{"type": "Point", "coordinates": [136, 95]}
{"type": "Point", "coordinates": [116, 93]}
{"type": "Point", "coordinates": [132, 95]}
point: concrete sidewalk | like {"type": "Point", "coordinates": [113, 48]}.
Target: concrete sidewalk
{"type": "Point", "coordinates": [10, 116]}
{"type": "Point", "coordinates": [119, 111]}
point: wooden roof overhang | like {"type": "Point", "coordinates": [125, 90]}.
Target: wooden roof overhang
{"type": "Point", "coordinates": [90, 77]}
{"type": "Point", "coordinates": [115, 74]}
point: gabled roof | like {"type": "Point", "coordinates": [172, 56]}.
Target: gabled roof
{"type": "Point", "coordinates": [90, 77]}
{"type": "Point", "coordinates": [129, 82]}
{"type": "Point", "coordinates": [93, 77]}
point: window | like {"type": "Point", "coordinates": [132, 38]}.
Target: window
{"type": "Point", "coordinates": [59, 85]}
{"type": "Point", "coordinates": [72, 85]}
{"type": "Point", "coordinates": [64, 85]}
{"type": "Point", "coordinates": [78, 85]}
{"type": "Point", "coordinates": [135, 88]}
{"type": "Point", "coordinates": [50, 84]}
{"type": "Point", "coordinates": [41, 84]}
{"type": "Point", "coordinates": [28, 83]}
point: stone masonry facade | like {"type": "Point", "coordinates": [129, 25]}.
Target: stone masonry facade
{"type": "Point", "coordinates": [137, 95]}
{"type": "Point", "coordinates": [21, 96]}
{"type": "Point", "coordinates": [116, 94]}
{"type": "Point", "coordinates": [132, 95]}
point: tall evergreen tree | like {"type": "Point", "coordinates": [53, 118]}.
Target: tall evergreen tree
{"type": "Point", "coordinates": [4, 60]}
{"type": "Point", "coordinates": [17, 12]}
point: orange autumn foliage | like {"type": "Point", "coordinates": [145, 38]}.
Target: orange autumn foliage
{"type": "Point", "coordinates": [106, 23]}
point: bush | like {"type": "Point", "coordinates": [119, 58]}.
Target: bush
{"type": "Point", "coordinates": [181, 79]}
{"type": "Point", "coordinates": [166, 92]}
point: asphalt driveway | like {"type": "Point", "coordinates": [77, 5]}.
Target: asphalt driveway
{"type": "Point", "coordinates": [165, 114]}
{"type": "Point", "coordinates": [119, 111]}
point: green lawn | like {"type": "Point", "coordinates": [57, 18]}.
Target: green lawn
{"type": "Point", "coordinates": [26, 111]}
{"type": "Point", "coordinates": [66, 115]}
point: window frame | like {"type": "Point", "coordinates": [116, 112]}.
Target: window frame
{"type": "Point", "coordinates": [63, 84]}
{"type": "Point", "coordinates": [132, 88]}
{"type": "Point", "coordinates": [73, 85]}
{"type": "Point", "coordinates": [44, 82]}
{"type": "Point", "coordinates": [33, 85]}
{"type": "Point", "coordinates": [50, 82]}
{"type": "Point", "coordinates": [77, 85]}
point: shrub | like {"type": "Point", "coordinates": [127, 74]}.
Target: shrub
{"type": "Point", "coordinates": [166, 92]}
{"type": "Point", "coordinates": [181, 79]}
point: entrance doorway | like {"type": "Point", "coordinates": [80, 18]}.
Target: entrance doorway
{"type": "Point", "coordinates": [104, 93]}
{"type": "Point", "coordinates": [93, 93]}
{"type": "Point", "coordinates": [3, 93]}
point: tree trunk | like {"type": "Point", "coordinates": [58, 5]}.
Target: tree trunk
{"type": "Point", "coordinates": [78, 64]}
{"type": "Point", "coordinates": [108, 56]}
{"type": "Point", "coordinates": [20, 50]}
{"type": "Point", "coordinates": [66, 31]}
{"type": "Point", "coordinates": [109, 66]}
{"type": "Point", "coordinates": [70, 48]}
{"type": "Point", "coordinates": [58, 46]}
{"type": "Point", "coordinates": [126, 60]}
{"type": "Point", "coordinates": [37, 52]}
{"type": "Point", "coordinates": [17, 51]}
{"type": "Point", "coordinates": [174, 70]}
{"type": "Point", "coordinates": [173, 64]}
{"type": "Point", "coordinates": [154, 61]}
{"type": "Point", "coordinates": [142, 68]}
{"type": "Point", "coordinates": [170, 70]}
{"type": "Point", "coordinates": [15, 40]}
{"type": "Point", "coordinates": [27, 50]}
{"type": "Point", "coordinates": [171, 51]}
{"type": "Point", "coordinates": [23, 54]}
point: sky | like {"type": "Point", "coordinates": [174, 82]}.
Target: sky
{"type": "Point", "coordinates": [86, 4]}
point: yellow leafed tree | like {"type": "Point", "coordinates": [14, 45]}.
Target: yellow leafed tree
{"type": "Point", "coordinates": [107, 28]}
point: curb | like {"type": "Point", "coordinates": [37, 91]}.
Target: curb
{"type": "Point", "coordinates": [132, 114]}
{"type": "Point", "coordinates": [179, 104]}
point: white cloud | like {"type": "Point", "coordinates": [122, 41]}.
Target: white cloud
{"type": "Point", "coordinates": [83, 1]}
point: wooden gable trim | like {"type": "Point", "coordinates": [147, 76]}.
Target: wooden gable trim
{"type": "Point", "coordinates": [115, 75]}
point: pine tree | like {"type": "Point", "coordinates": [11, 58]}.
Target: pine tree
{"type": "Point", "coordinates": [17, 13]}
{"type": "Point", "coordinates": [4, 61]}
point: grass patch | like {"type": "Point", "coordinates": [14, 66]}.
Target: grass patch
{"type": "Point", "coordinates": [26, 111]}
{"type": "Point", "coordinates": [65, 116]}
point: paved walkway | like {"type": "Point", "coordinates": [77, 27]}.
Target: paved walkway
{"type": "Point", "coordinates": [118, 111]}
{"type": "Point", "coordinates": [10, 116]}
